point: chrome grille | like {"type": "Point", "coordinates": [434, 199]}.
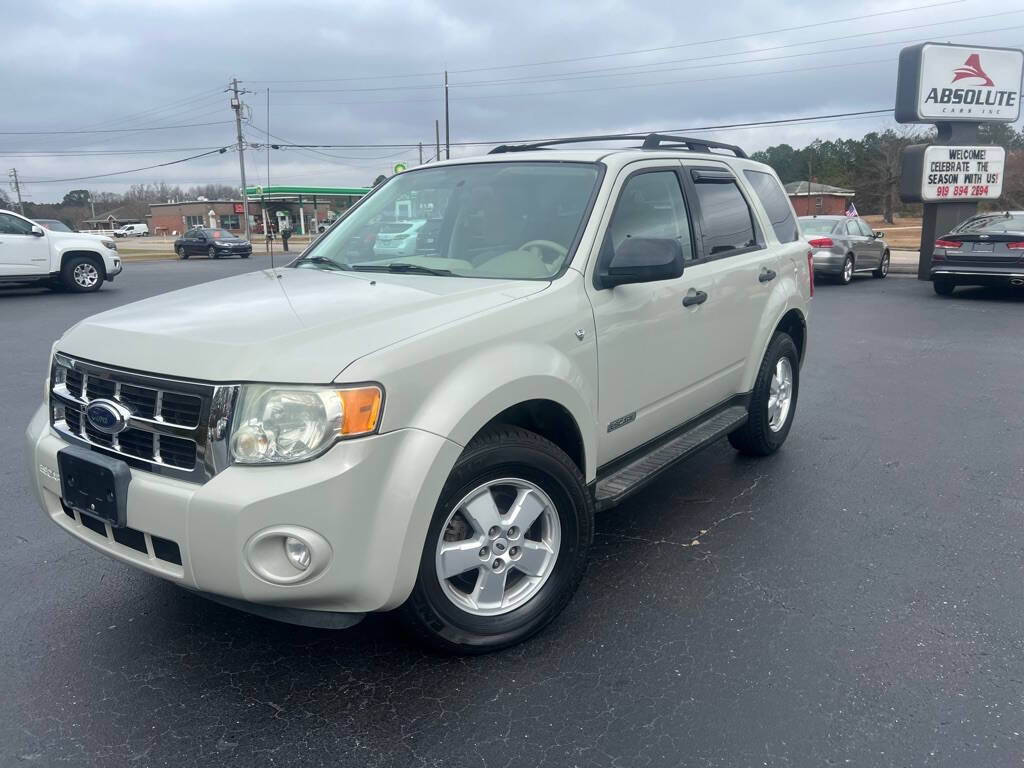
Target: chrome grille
{"type": "Point", "coordinates": [176, 427]}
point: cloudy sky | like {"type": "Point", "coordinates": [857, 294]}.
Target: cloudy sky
{"type": "Point", "coordinates": [102, 87]}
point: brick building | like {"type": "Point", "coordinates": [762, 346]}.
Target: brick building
{"type": "Point", "coordinates": [302, 209]}
{"type": "Point", "coordinates": [823, 200]}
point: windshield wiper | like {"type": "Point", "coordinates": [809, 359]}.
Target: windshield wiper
{"type": "Point", "coordinates": [323, 261]}
{"type": "Point", "coordinates": [401, 268]}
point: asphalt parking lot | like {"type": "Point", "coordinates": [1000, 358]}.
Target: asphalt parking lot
{"type": "Point", "coordinates": [856, 599]}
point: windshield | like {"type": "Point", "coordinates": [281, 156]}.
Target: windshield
{"type": "Point", "coordinates": [54, 225]}
{"type": "Point", "coordinates": [994, 223]}
{"type": "Point", "coordinates": [817, 226]}
{"type": "Point", "coordinates": [515, 220]}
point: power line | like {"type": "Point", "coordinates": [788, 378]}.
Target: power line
{"type": "Point", "coordinates": [96, 152]}
{"type": "Point", "coordinates": [575, 75]}
{"type": "Point", "coordinates": [112, 130]}
{"type": "Point", "coordinates": [220, 150]}
{"type": "Point", "coordinates": [704, 42]}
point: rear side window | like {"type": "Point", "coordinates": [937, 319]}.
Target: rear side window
{"type": "Point", "coordinates": [776, 205]}
{"type": "Point", "coordinates": [728, 223]}
{"type": "Point", "coordinates": [865, 229]}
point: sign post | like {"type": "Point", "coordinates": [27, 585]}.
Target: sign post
{"type": "Point", "coordinates": [957, 88]}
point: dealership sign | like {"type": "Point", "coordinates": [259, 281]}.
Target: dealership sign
{"type": "Point", "coordinates": [946, 173]}
{"type": "Point", "coordinates": [939, 82]}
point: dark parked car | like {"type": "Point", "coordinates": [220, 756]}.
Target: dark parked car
{"type": "Point", "coordinates": [211, 242]}
{"type": "Point", "coordinates": [844, 245]}
{"type": "Point", "coordinates": [987, 249]}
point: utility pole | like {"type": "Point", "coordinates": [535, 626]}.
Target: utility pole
{"type": "Point", "coordinates": [236, 104]}
{"type": "Point", "coordinates": [437, 140]}
{"type": "Point", "coordinates": [809, 187]}
{"type": "Point", "coordinates": [17, 189]}
{"type": "Point", "coordinates": [421, 153]}
{"type": "Point", "coordinates": [268, 137]}
{"type": "Point", "coordinates": [92, 207]}
{"type": "Point", "coordinates": [447, 136]}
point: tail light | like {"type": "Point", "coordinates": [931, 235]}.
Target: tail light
{"type": "Point", "coordinates": [821, 242]}
{"type": "Point", "coordinates": [1018, 246]}
{"type": "Point", "coordinates": [810, 270]}
{"type": "Point", "coordinates": [948, 243]}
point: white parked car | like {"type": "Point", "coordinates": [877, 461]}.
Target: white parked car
{"type": "Point", "coordinates": [397, 238]}
{"type": "Point", "coordinates": [434, 433]}
{"type": "Point", "coordinates": [30, 253]}
{"type": "Point", "coordinates": [132, 230]}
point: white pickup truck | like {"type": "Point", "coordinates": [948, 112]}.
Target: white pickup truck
{"type": "Point", "coordinates": [434, 431]}
{"type": "Point", "coordinates": [71, 261]}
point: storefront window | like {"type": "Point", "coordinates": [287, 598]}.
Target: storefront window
{"type": "Point", "coordinates": [230, 221]}
{"type": "Point", "coordinates": [194, 221]}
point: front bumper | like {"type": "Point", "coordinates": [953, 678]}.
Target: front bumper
{"type": "Point", "coordinates": [371, 499]}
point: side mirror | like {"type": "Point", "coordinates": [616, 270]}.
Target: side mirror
{"type": "Point", "coordinates": [879, 235]}
{"type": "Point", "coordinates": [644, 260]}
{"type": "Point", "coordinates": [37, 230]}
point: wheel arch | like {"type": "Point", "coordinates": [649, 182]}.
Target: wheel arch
{"type": "Point", "coordinates": [71, 253]}
{"type": "Point", "coordinates": [550, 420]}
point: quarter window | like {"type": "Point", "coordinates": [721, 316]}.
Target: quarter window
{"type": "Point", "coordinates": [12, 225]}
{"type": "Point", "coordinates": [776, 205]}
{"type": "Point", "coordinates": [651, 205]}
{"type": "Point", "coordinates": [865, 229]}
{"type": "Point", "coordinates": [727, 222]}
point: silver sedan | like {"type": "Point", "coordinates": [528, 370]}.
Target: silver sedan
{"type": "Point", "coordinates": [845, 245]}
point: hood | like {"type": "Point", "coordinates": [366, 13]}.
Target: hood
{"type": "Point", "coordinates": [79, 236]}
{"type": "Point", "coordinates": [284, 325]}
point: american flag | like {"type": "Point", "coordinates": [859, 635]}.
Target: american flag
{"type": "Point", "coordinates": [852, 211]}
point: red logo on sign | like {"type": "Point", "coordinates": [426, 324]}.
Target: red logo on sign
{"type": "Point", "coordinates": [972, 68]}
{"type": "Point", "coordinates": [239, 208]}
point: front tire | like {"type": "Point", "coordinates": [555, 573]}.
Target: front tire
{"type": "Point", "coordinates": [773, 401]}
{"type": "Point", "coordinates": [82, 274]}
{"type": "Point", "coordinates": [182, 253]}
{"type": "Point", "coordinates": [943, 287]}
{"type": "Point", "coordinates": [507, 545]}
{"type": "Point", "coordinates": [211, 252]}
{"type": "Point", "coordinates": [883, 268]}
{"type": "Point", "coordinates": [846, 276]}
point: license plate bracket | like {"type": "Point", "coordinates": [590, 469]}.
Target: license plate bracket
{"type": "Point", "coordinates": [983, 247]}
{"type": "Point", "coordinates": [94, 484]}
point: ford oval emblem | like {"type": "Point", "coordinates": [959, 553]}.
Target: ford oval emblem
{"type": "Point", "coordinates": [107, 416]}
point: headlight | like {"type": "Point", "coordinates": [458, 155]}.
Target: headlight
{"type": "Point", "coordinates": [281, 424]}
{"type": "Point", "coordinates": [110, 244]}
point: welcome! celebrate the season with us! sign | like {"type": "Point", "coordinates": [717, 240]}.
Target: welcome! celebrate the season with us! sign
{"type": "Point", "coordinates": [962, 173]}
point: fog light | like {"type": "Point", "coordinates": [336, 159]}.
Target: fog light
{"type": "Point", "coordinates": [297, 552]}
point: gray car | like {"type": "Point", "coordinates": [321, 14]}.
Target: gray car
{"type": "Point", "coordinates": [845, 245]}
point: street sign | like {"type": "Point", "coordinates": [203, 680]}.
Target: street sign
{"type": "Point", "coordinates": [939, 82]}
{"type": "Point", "coordinates": [947, 173]}
{"type": "Point", "coordinates": [399, 167]}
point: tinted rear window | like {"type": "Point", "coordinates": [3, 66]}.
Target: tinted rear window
{"type": "Point", "coordinates": [727, 221]}
{"type": "Point", "coordinates": [776, 205]}
{"type": "Point", "coordinates": [1000, 223]}
{"type": "Point", "coordinates": [817, 226]}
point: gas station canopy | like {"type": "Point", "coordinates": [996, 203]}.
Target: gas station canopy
{"type": "Point", "coordinates": [278, 193]}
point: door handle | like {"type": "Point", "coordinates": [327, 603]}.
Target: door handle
{"type": "Point", "coordinates": [767, 275]}
{"type": "Point", "coordinates": [694, 298]}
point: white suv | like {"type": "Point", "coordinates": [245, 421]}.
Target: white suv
{"type": "Point", "coordinates": [356, 432]}
{"type": "Point", "coordinates": [69, 260]}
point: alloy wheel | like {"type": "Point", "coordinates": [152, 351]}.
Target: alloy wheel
{"type": "Point", "coordinates": [86, 275]}
{"type": "Point", "coordinates": [780, 394]}
{"type": "Point", "coordinates": [498, 547]}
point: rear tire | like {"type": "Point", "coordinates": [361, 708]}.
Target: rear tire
{"type": "Point", "coordinates": [465, 611]}
{"type": "Point", "coordinates": [943, 287]}
{"type": "Point", "coordinates": [770, 418]}
{"type": "Point", "coordinates": [846, 275]}
{"type": "Point", "coordinates": [82, 274]}
{"type": "Point", "coordinates": [883, 268]}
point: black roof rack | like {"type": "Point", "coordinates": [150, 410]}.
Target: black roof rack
{"type": "Point", "coordinates": [649, 141]}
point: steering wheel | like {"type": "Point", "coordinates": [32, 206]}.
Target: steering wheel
{"type": "Point", "coordinates": [557, 250]}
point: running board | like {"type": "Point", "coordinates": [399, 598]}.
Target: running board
{"type": "Point", "coordinates": [632, 477]}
